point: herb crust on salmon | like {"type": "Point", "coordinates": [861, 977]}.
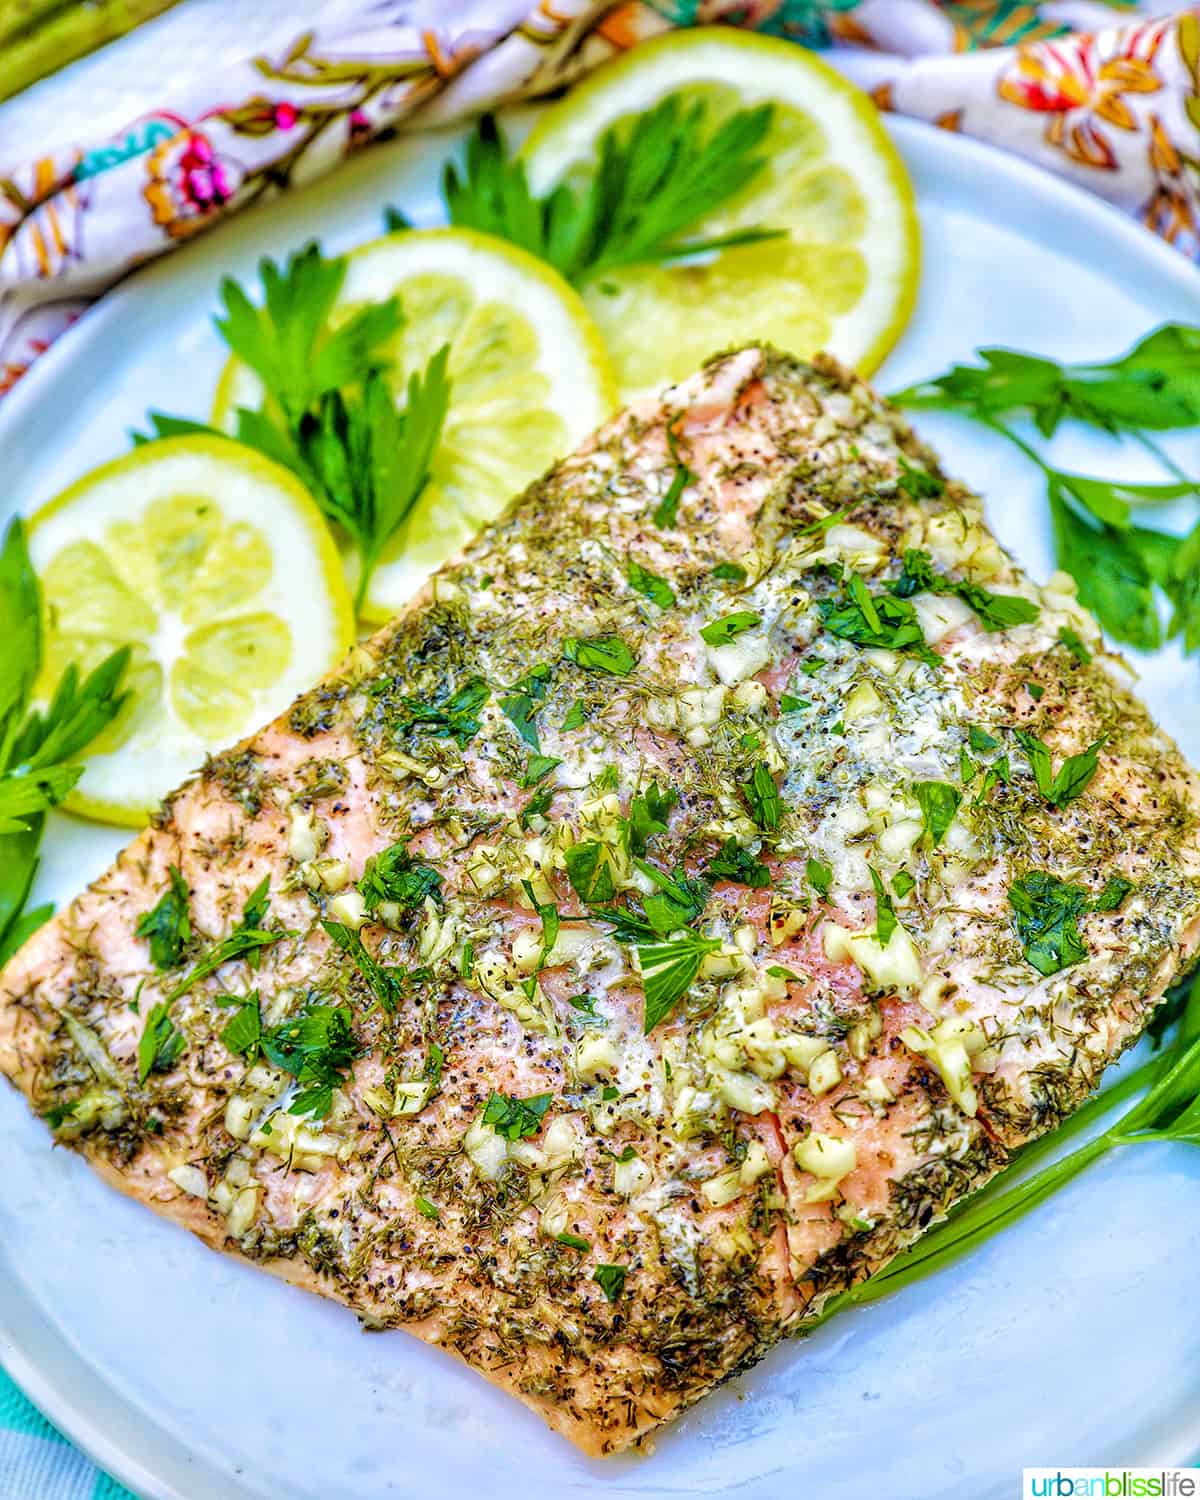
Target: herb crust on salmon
{"type": "Point", "coordinates": [710, 878]}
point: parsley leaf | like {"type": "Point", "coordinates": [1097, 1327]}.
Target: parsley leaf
{"type": "Point", "coordinates": [655, 177]}
{"type": "Point", "coordinates": [1073, 775]}
{"type": "Point", "coordinates": [995, 611]}
{"type": "Point", "coordinates": [246, 941]}
{"type": "Point", "coordinates": [521, 704]}
{"type": "Point", "coordinates": [762, 798]}
{"type": "Point", "coordinates": [1046, 914]}
{"type": "Point", "coordinates": [1116, 888]}
{"type": "Point", "coordinates": [980, 740]}
{"type": "Point", "coordinates": [650, 585]}
{"type": "Point", "coordinates": [537, 768]}
{"type": "Point", "coordinates": [820, 876]}
{"type": "Point", "coordinates": [1153, 385]}
{"type": "Point", "coordinates": [721, 632]}
{"type": "Point", "coordinates": [918, 483]}
{"type": "Point", "coordinates": [168, 925]}
{"type": "Point", "coordinates": [329, 414]}
{"type": "Point", "coordinates": [160, 1044]}
{"type": "Point", "coordinates": [1071, 640]}
{"type": "Point", "coordinates": [611, 1280]}
{"type": "Point", "coordinates": [242, 1033]}
{"type": "Point", "coordinates": [669, 969]}
{"type": "Point", "coordinates": [316, 1046]}
{"type": "Point", "coordinates": [516, 1119]}
{"type": "Point", "coordinates": [576, 716]}
{"type": "Point", "coordinates": [739, 865]}
{"type": "Point", "coordinates": [602, 653]}
{"type": "Point", "coordinates": [383, 980]}
{"type": "Point", "coordinates": [394, 876]}
{"type": "Point", "coordinates": [883, 620]}
{"type": "Point", "coordinates": [455, 717]}
{"type": "Point", "coordinates": [676, 902]}
{"type": "Point", "coordinates": [939, 802]}
{"type": "Point", "coordinates": [729, 572]}
{"type": "Point", "coordinates": [903, 883]}
{"type": "Point", "coordinates": [590, 871]}
{"type": "Point", "coordinates": [886, 920]}
{"type": "Point", "coordinates": [648, 814]}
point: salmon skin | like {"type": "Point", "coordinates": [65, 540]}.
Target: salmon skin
{"type": "Point", "coordinates": [709, 879]}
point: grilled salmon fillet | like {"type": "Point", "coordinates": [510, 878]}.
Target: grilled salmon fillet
{"type": "Point", "coordinates": [710, 878]}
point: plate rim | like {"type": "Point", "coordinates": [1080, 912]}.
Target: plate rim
{"type": "Point", "coordinates": [71, 1413]}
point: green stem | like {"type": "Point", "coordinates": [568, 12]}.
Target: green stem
{"type": "Point", "coordinates": [1165, 459]}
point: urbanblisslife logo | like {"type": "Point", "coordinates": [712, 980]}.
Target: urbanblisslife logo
{"type": "Point", "coordinates": [1111, 1484]}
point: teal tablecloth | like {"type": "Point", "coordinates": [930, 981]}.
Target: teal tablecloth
{"type": "Point", "coordinates": [37, 1463]}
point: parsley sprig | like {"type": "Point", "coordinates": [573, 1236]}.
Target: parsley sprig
{"type": "Point", "coordinates": [39, 748]}
{"type": "Point", "coordinates": [651, 184]}
{"type": "Point", "coordinates": [1120, 567]}
{"type": "Point", "coordinates": [329, 413]}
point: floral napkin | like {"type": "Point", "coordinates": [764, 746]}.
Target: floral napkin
{"type": "Point", "coordinates": [1106, 94]}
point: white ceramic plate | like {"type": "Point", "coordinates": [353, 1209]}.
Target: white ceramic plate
{"type": "Point", "coordinates": [1073, 1339]}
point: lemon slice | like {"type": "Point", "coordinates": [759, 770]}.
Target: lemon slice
{"type": "Point", "coordinates": [529, 379]}
{"type": "Point", "coordinates": [215, 565]}
{"type": "Point", "coordinates": [844, 279]}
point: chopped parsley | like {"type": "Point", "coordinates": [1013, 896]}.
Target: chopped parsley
{"type": "Point", "coordinates": [168, 925]}
{"type": "Point", "coordinates": [729, 627]}
{"type": "Point", "coordinates": [516, 1119]}
{"type": "Point", "coordinates": [995, 611]}
{"type": "Point", "coordinates": [573, 1242]}
{"type": "Point", "coordinates": [394, 876]}
{"type": "Point", "coordinates": [455, 717]}
{"type": "Point", "coordinates": [160, 1044]}
{"type": "Point", "coordinates": [316, 1046]}
{"type": "Point", "coordinates": [521, 703]}
{"type": "Point", "coordinates": [537, 768]}
{"type": "Point", "coordinates": [729, 572]}
{"type": "Point", "coordinates": [1071, 640]}
{"type": "Point", "coordinates": [820, 876]}
{"type": "Point", "coordinates": [649, 585]}
{"type": "Point", "coordinates": [876, 620]}
{"type": "Point", "coordinates": [590, 871]}
{"type": "Point", "coordinates": [939, 802]}
{"type": "Point", "coordinates": [739, 865]}
{"type": "Point", "coordinates": [903, 884]}
{"type": "Point", "coordinates": [667, 509]}
{"type": "Point", "coordinates": [611, 1280]}
{"type": "Point", "coordinates": [601, 653]}
{"type": "Point", "coordinates": [918, 483]}
{"type": "Point", "coordinates": [383, 981]}
{"type": "Point", "coordinates": [1072, 777]}
{"type": "Point", "coordinates": [762, 798]}
{"type": "Point", "coordinates": [246, 941]}
{"type": "Point", "coordinates": [576, 716]}
{"type": "Point", "coordinates": [886, 921]}
{"type": "Point", "coordinates": [648, 814]}
{"type": "Point", "coordinates": [669, 969]}
{"type": "Point", "coordinates": [1046, 913]}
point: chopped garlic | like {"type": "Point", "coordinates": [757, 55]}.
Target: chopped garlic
{"type": "Point", "coordinates": [190, 1179]}
{"type": "Point", "coordinates": [349, 909]}
{"type": "Point", "coordinates": [950, 1047]}
{"type": "Point", "coordinates": [596, 1057]}
{"type": "Point", "coordinates": [825, 1072]}
{"type": "Point", "coordinates": [894, 967]}
{"type": "Point", "coordinates": [829, 1158]}
{"type": "Point", "coordinates": [306, 835]}
{"type": "Point", "coordinates": [629, 1177]}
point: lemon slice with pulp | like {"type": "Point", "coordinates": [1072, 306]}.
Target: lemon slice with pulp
{"type": "Point", "coordinates": [529, 379]}
{"type": "Point", "coordinates": [215, 565]}
{"type": "Point", "coordinates": [843, 278]}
